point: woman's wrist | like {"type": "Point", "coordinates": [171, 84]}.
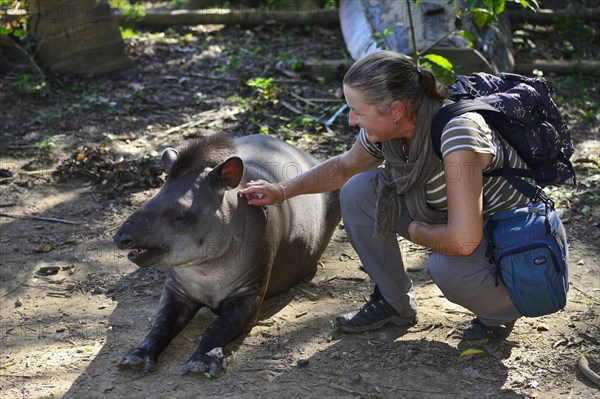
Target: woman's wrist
{"type": "Point", "coordinates": [282, 191]}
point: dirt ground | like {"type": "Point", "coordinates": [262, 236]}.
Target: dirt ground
{"type": "Point", "coordinates": [81, 155]}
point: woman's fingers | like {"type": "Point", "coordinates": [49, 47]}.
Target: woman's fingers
{"type": "Point", "coordinates": [260, 193]}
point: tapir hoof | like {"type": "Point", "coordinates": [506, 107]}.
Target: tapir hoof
{"type": "Point", "coordinates": [212, 363]}
{"type": "Point", "coordinates": [139, 357]}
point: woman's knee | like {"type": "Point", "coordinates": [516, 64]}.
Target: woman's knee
{"type": "Point", "coordinates": [441, 274]}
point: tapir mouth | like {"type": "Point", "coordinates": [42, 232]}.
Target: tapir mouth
{"type": "Point", "coordinates": [141, 256]}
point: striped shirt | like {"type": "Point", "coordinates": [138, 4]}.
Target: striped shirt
{"type": "Point", "coordinates": [470, 132]}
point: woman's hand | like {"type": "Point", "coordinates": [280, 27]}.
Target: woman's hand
{"type": "Point", "coordinates": [262, 193]}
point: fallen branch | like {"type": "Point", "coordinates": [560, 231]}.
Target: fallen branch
{"type": "Point", "coordinates": [27, 377]}
{"type": "Point", "coordinates": [11, 215]}
{"type": "Point", "coordinates": [547, 15]}
{"type": "Point", "coordinates": [244, 18]}
{"type": "Point", "coordinates": [558, 67]}
{"type": "Point", "coordinates": [309, 294]}
{"type": "Point", "coordinates": [36, 172]}
{"type": "Point", "coordinates": [291, 108]}
{"type": "Point", "coordinates": [41, 172]}
{"type": "Point", "coordinates": [313, 101]}
{"type": "Point", "coordinates": [584, 366]}
{"type": "Point", "coordinates": [591, 298]}
{"type": "Point", "coordinates": [335, 115]}
{"type": "Point", "coordinates": [347, 390]}
{"type": "Point", "coordinates": [197, 120]}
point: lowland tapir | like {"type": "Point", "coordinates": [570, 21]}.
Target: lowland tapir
{"type": "Point", "coordinates": [218, 251]}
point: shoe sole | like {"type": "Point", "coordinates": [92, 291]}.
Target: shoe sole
{"type": "Point", "coordinates": [397, 321]}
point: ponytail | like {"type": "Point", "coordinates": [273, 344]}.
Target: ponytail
{"type": "Point", "coordinates": [430, 86]}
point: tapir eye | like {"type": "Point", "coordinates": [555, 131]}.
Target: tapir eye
{"type": "Point", "coordinates": [183, 217]}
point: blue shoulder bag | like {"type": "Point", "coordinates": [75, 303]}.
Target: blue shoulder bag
{"type": "Point", "coordinates": [529, 249]}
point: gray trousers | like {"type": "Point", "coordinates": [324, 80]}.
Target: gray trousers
{"type": "Point", "coordinates": [468, 281]}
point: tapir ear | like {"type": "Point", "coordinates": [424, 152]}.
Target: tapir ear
{"type": "Point", "coordinates": [168, 157]}
{"type": "Point", "coordinates": [229, 173]}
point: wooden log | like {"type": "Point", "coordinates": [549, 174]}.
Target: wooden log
{"type": "Point", "coordinates": [558, 67]}
{"type": "Point", "coordinates": [548, 16]}
{"type": "Point", "coordinates": [333, 69]}
{"type": "Point", "coordinates": [159, 18]}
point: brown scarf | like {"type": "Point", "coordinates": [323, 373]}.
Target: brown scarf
{"type": "Point", "coordinates": [407, 178]}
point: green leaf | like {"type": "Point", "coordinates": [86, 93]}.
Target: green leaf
{"type": "Point", "coordinates": [499, 6]}
{"type": "Point", "coordinates": [470, 351]}
{"type": "Point", "coordinates": [19, 32]}
{"type": "Point", "coordinates": [468, 35]}
{"type": "Point", "coordinates": [526, 4]}
{"type": "Point", "coordinates": [387, 30]}
{"type": "Point", "coordinates": [483, 17]}
{"type": "Point", "coordinates": [440, 61]}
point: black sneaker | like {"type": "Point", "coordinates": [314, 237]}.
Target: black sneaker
{"type": "Point", "coordinates": [374, 314]}
{"type": "Point", "coordinates": [477, 331]}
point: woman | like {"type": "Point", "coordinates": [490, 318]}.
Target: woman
{"type": "Point", "coordinates": [440, 205]}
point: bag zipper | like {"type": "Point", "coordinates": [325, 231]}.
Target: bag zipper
{"type": "Point", "coordinates": [529, 247]}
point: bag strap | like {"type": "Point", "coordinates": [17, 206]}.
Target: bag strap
{"type": "Point", "coordinates": [534, 193]}
{"type": "Point", "coordinates": [491, 246]}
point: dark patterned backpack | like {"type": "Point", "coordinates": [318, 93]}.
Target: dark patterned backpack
{"type": "Point", "coordinates": [523, 112]}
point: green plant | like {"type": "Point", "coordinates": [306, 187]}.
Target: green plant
{"type": "Point", "coordinates": [177, 3]}
{"type": "Point", "coordinates": [263, 87]}
{"type": "Point", "coordinates": [232, 62]}
{"type": "Point", "coordinates": [31, 84]}
{"type": "Point", "coordinates": [295, 62]}
{"type": "Point", "coordinates": [47, 144]}
{"type": "Point", "coordinates": [569, 25]}
{"type": "Point", "coordinates": [133, 12]}
{"type": "Point", "coordinates": [129, 33]}
{"type": "Point", "coordinates": [264, 129]}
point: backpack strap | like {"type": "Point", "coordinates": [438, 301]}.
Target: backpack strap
{"type": "Point", "coordinates": [463, 103]}
{"type": "Point", "coordinates": [466, 103]}
{"type": "Point", "coordinates": [534, 193]}
{"type": "Point", "coordinates": [524, 187]}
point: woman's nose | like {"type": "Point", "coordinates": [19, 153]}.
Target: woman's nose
{"type": "Point", "coordinates": [352, 120]}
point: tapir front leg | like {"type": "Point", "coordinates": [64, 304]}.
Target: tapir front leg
{"type": "Point", "coordinates": [237, 317]}
{"type": "Point", "coordinates": [174, 313]}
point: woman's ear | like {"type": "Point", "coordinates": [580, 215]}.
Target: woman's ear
{"type": "Point", "coordinates": [398, 109]}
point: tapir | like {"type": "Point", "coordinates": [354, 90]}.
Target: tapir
{"type": "Point", "coordinates": [218, 251]}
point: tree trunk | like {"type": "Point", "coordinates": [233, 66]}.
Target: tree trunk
{"type": "Point", "coordinates": [77, 37]}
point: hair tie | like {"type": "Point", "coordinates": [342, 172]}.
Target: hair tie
{"type": "Point", "coordinates": [419, 74]}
